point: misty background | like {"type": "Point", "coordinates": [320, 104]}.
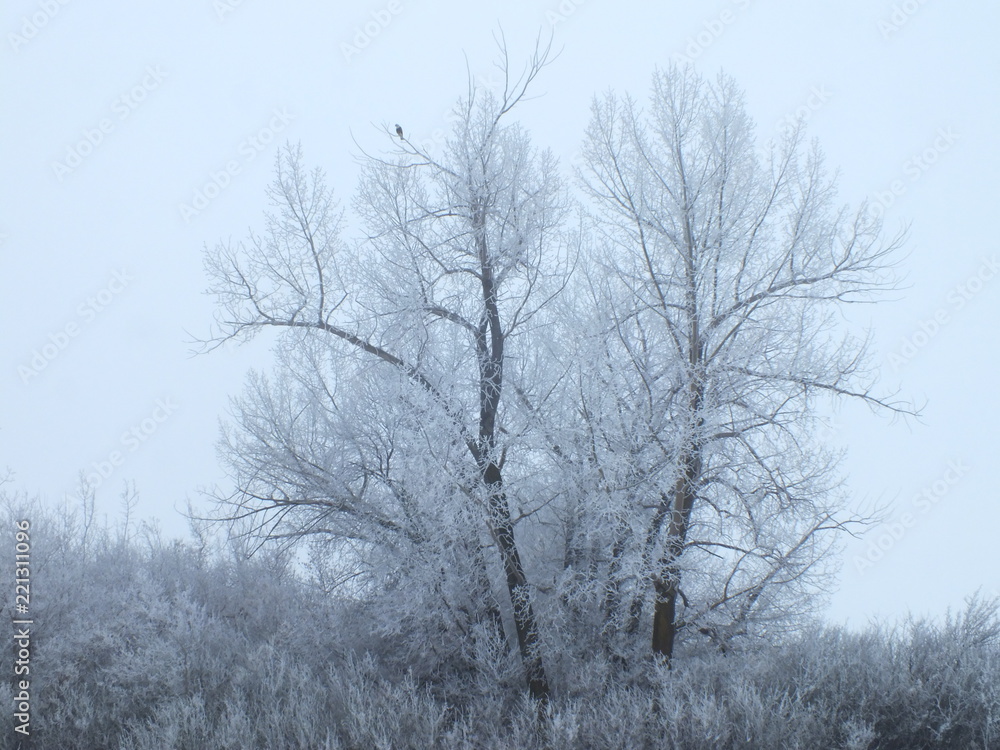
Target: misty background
{"type": "Point", "coordinates": [133, 136]}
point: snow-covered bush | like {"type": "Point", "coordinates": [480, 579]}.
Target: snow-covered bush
{"type": "Point", "coordinates": [143, 644]}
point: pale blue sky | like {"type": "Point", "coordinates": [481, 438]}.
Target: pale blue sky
{"type": "Point", "coordinates": [97, 254]}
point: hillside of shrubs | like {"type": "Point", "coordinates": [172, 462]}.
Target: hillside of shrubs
{"type": "Point", "coordinates": [146, 643]}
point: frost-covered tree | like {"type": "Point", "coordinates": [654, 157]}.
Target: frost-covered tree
{"type": "Point", "coordinates": [393, 432]}
{"type": "Point", "coordinates": [720, 270]}
{"type": "Point", "coordinates": [494, 442]}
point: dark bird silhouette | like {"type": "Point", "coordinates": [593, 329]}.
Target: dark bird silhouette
{"type": "Point", "coordinates": [399, 132]}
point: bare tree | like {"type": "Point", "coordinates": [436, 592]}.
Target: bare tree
{"type": "Point", "coordinates": [722, 268]}
{"type": "Point", "coordinates": [453, 424]}
{"type": "Point", "coordinates": [395, 424]}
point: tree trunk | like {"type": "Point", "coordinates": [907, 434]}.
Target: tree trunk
{"type": "Point", "coordinates": [666, 584]}
{"type": "Point", "coordinates": [490, 341]}
{"type": "Point", "coordinates": [517, 585]}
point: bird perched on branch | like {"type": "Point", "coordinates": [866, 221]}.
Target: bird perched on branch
{"type": "Point", "coordinates": [399, 132]}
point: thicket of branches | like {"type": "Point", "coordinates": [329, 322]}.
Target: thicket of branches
{"type": "Point", "coordinates": [516, 422]}
{"type": "Point", "coordinates": [142, 643]}
{"type": "Point", "coordinates": [536, 466]}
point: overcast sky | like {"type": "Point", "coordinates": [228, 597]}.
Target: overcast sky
{"type": "Point", "coordinates": [133, 134]}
